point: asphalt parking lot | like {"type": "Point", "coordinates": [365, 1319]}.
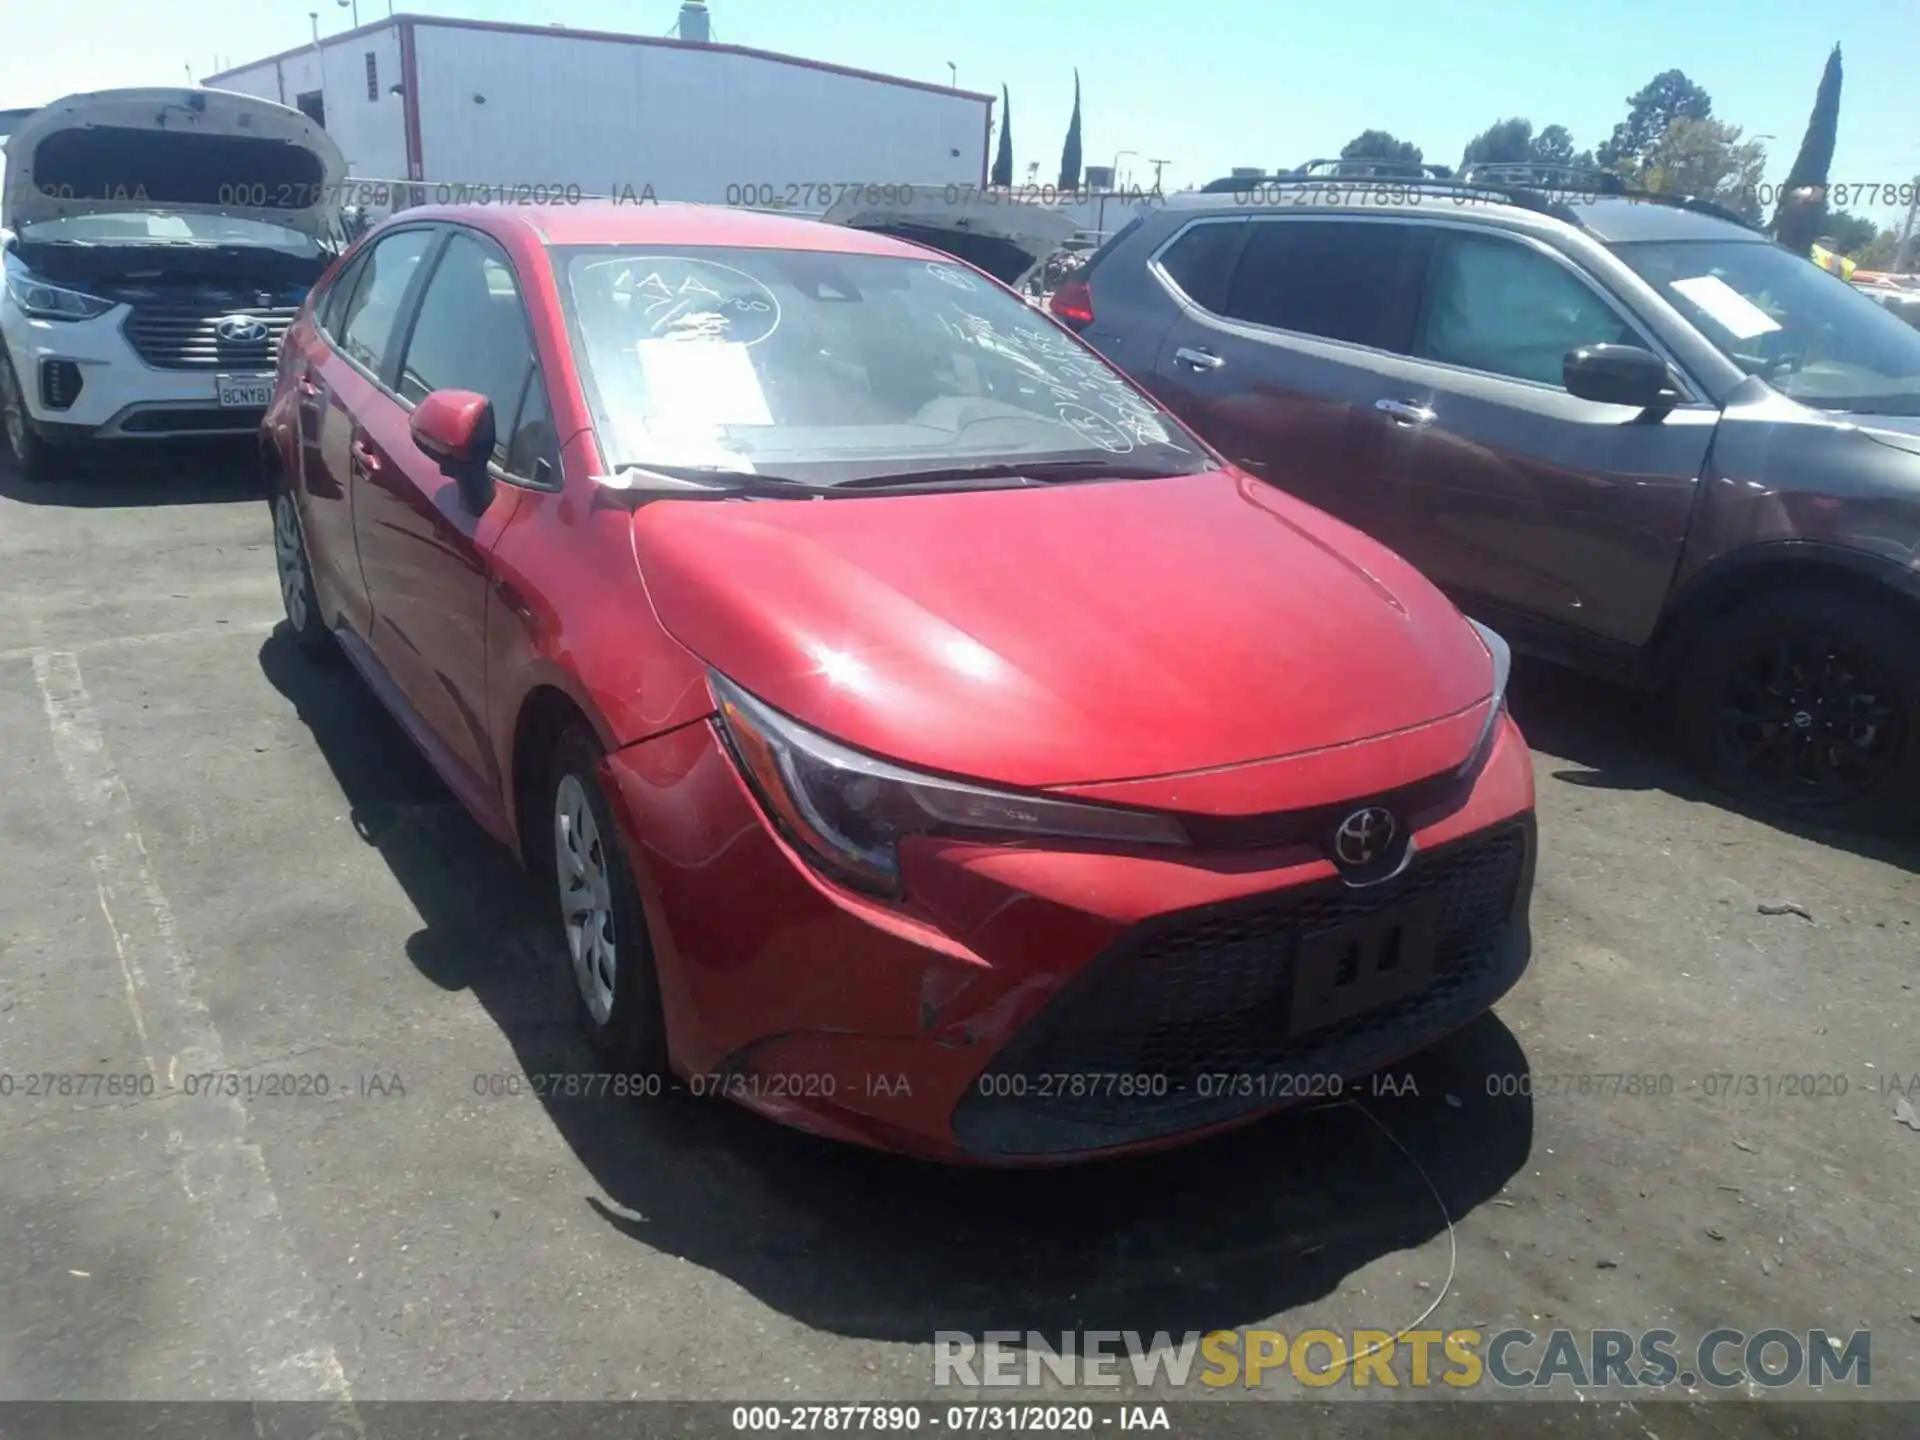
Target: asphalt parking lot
{"type": "Point", "coordinates": [217, 857]}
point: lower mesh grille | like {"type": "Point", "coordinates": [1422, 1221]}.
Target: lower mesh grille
{"type": "Point", "coordinates": [1181, 1009]}
{"type": "Point", "coordinates": [192, 420]}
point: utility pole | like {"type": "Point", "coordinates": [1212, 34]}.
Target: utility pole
{"type": "Point", "coordinates": [1158, 166]}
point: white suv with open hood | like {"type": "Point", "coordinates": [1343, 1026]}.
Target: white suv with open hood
{"type": "Point", "coordinates": [157, 245]}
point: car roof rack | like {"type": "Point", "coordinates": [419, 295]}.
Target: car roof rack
{"type": "Point", "coordinates": [1363, 167]}
{"type": "Point", "coordinates": [1446, 184]}
{"type": "Point", "coordinates": [1588, 182]}
{"type": "Point", "coordinates": [1552, 190]}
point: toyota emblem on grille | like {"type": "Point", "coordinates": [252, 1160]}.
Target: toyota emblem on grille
{"type": "Point", "coordinates": [240, 329]}
{"type": "Point", "coordinates": [1364, 836]}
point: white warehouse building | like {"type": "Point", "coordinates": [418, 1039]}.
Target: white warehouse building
{"type": "Point", "coordinates": [469, 103]}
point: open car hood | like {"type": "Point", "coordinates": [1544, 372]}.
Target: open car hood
{"type": "Point", "coordinates": [1004, 237]}
{"type": "Point", "coordinates": [178, 149]}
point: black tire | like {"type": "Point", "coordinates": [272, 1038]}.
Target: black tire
{"type": "Point", "coordinates": [33, 457]}
{"type": "Point", "coordinates": [1807, 702]}
{"type": "Point", "coordinates": [631, 1036]}
{"type": "Point", "coordinates": [297, 596]}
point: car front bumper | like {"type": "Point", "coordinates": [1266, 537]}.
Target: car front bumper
{"type": "Point", "coordinates": [1030, 1006]}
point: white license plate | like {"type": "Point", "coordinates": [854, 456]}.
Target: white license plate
{"type": "Point", "coordinates": [244, 392]}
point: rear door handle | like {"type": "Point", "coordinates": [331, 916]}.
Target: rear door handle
{"type": "Point", "coordinates": [1198, 359]}
{"type": "Point", "coordinates": [307, 387]}
{"type": "Point", "coordinates": [1405, 412]}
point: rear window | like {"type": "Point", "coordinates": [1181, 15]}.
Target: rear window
{"type": "Point", "coordinates": [367, 322]}
{"type": "Point", "coordinates": [1201, 261]}
{"type": "Point", "coordinates": [1339, 279]}
{"type": "Point", "coordinates": [1112, 243]}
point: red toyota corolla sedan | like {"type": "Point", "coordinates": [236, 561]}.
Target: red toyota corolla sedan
{"type": "Point", "coordinates": [932, 743]}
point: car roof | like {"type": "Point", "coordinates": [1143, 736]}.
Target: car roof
{"type": "Point", "coordinates": [1607, 218]}
{"type": "Point", "coordinates": [650, 222]}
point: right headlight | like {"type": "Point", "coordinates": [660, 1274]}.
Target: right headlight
{"type": "Point", "coordinates": [849, 811]}
{"type": "Point", "coordinates": [44, 301]}
{"type": "Point", "coordinates": [1502, 663]}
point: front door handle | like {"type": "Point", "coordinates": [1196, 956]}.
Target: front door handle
{"type": "Point", "coordinates": [307, 387]}
{"type": "Point", "coordinates": [1198, 359]}
{"type": "Point", "coordinates": [364, 457]}
{"type": "Point", "coordinates": [1405, 412]}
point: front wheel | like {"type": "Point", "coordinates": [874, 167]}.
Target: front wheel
{"type": "Point", "coordinates": [31, 454]}
{"type": "Point", "coordinates": [601, 918]}
{"type": "Point", "coordinates": [1807, 701]}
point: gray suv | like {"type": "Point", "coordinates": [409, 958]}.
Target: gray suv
{"type": "Point", "coordinates": [1629, 431]}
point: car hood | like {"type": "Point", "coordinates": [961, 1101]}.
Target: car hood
{"type": "Point", "coordinates": [183, 150]}
{"type": "Point", "coordinates": [1006, 238]}
{"type": "Point", "coordinates": [1900, 432]}
{"type": "Point", "coordinates": [1065, 636]}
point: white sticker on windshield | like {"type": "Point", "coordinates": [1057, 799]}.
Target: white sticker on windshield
{"type": "Point", "coordinates": [700, 388]}
{"type": "Point", "coordinates": [947, 275]}
{"type": "Point", "coordinates": [1096, 429]}
{"type": "Point", "coordinates": [1734, 313]}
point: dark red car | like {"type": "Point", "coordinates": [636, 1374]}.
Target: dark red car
{"type": "Point", "coordinates": [934, 745]}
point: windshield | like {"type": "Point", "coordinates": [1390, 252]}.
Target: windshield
{"type": "Point", "coordinates": [159, 227]}
{"type": "Point", "coordinates": [1809, 334]}
{"type": "Point", "coordinates": [831, 367]}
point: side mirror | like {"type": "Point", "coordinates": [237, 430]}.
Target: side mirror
{"type": "Point", "coordinates": [455, 427]}
{"type": "Point", "coordinates": [1620, 375]}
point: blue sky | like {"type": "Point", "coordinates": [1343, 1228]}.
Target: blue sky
{"type": "Point", "coordinates": [1229, 82]}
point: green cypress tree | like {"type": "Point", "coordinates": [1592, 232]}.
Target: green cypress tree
{"type": "Point", "coordinates": [1003, 158]}
{"type": "Point", "coordinates": [1070, 156]}
{"type": "Point", "coordinates": [1799, 220]}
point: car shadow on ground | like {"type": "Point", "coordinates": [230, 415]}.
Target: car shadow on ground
{"type": "Point", "coordinates": [1221, 1233]}
{"type": "Point", "coordinates": [1616, 738]}
{"type": "Point", "coordinates": [176, 472]}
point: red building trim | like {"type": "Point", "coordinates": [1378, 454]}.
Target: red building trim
{"type": "Point", "coordinates": [410, 100]}
{"type": "Point", "coordinates": [986, 147]}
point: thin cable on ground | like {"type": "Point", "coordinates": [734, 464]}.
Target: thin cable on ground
{"type": "Point", "coordinates": [1453, 1242]}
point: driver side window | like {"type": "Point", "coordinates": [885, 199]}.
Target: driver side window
{"type": "Point", "coordinates": [1504, 308]}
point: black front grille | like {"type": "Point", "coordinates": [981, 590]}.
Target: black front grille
{"type": "Point", "coordinates": [1191, 1003]}
{"type": "Point", "coordinates": [185, 420]}
{"type": "Point", "coordinates": [170, 338]}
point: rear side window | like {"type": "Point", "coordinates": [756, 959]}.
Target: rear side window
{"type": "Point", "coordinates": [1201, 261]}
{"type": "Point", "coordinates": [333, 304]}
{"type": "Point", "coordinates": [366, 328]}
{"type": "Point", "coordinates": [1503, 307]}
{"type": "Point", "coordinates": [1338, 279]}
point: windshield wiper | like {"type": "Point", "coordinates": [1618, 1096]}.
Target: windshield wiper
{"type": "Point", "coordinates": [1041, 471]}
{"type": "Point", "coordinates": [696, 481]}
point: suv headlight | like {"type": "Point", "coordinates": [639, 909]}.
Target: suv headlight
{"type": "Point", "coordinates": [1502, 664]}
{"type": "Point", "coordinates": [52, 302]}
{"type": "Point", "coordinates": [849, 811]}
